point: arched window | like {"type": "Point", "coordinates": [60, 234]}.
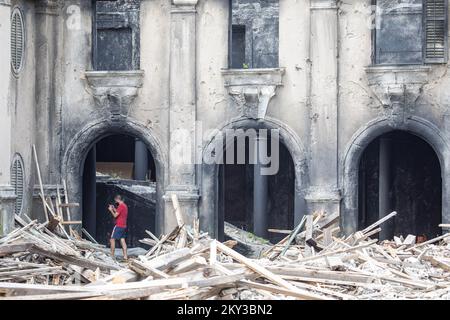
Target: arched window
{"type": "Point", "coordinates": [410, 32]}
{"type": "Point", "coordinates": [17, 40]}
{"type": "Point", "coordinates": [18, 182]}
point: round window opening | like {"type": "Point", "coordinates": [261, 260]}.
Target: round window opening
{"type": "Point", "coordinates": [17, 40]}
{"type": "Point", "coordinates": [17, 182]}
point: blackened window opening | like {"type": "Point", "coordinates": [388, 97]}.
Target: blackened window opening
{"type": "Point", "coordinates": [254, 34]}
{"type": "Point", "coordinates": [116, 35]}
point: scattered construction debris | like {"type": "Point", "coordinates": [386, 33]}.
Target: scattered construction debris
{"type": "Point", "coordinates": [312, 262]}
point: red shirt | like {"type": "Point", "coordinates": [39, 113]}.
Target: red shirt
{"type": "Point", "coordinates": [121, 220]}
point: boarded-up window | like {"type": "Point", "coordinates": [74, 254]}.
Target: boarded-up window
{"type": "Point", "coordinates": [410, 32]}
{"type": "Point", "coordinates": [116, 35]}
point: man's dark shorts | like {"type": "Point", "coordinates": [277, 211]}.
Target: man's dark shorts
{"type": "Point", "coordinates": [119, 233]}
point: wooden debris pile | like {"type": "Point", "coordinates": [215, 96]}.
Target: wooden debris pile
{"type": "Point", "coordinates": [34, 254]}
{"type": "Point", "coordinates": [312, 262]}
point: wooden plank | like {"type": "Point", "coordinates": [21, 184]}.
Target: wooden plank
{"type": "Point", "coordinates": [309, 231]}
{"type": "Point", "coordinates": [261, 270]}
{"type": "Point", "coordinates": [293, 235]}
{"type": "Point", "coordinates": [382, 220]}
{"type": "Point", "coordinates": [71, 222]}
{"type": "Point", "coordinates": [328, 220]}
{"type": "Point", "coordinates": [69, 205]}
{"type": "Point", "coordinates": [182, 240]}
{"type": "Point", "coordinates": [91, 238]}
{"type": "Point", "coordinates": [430, 241]}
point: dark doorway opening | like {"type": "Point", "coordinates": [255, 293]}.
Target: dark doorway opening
{"type": "Point", "coordinates": [253, 202]}
{"type": "Point", "coordinates": [400, 172]}
{"type": "Point", "coordinates": [119, 164]}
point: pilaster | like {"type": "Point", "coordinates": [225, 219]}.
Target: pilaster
{"type": "Point", "coordinates": [7, 195]}
{"type": "Point", "coordinates": [324, 193]}
{"type": "Point", "coordinates": [182, 113]}
{"type": "Point", "coordinates": [48, 117]}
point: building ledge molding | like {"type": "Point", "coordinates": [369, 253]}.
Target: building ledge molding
{"type": "Point", "coordinates": [397, 86]}
{"type": "Point", "coordinates": [115, 91]}
{"type": "Point", "coordinates": [252, 89]}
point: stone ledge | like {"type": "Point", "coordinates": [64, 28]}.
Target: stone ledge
{"type": "Point", "coordinates": [323, 4]}
{"type": "Point", "coordinates": [5, 3]}
{"type": "Point", "coordinates": [7, 193]}
{"type": "Point", "coordinates": [115, 90]}
{"type": "Point", "coordinates": [252, 89]}
{"type": "Point", "coordinates": [323, 195]}
{"type": "Point", "coordinates": [397, 84]}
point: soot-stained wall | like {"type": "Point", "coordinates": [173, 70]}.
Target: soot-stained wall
{"type": "Point", "coordinates": [116, 35]}
{"type": "Point", "coordinates": [261, 21]}
{"type": "Point", "coordinates": [416, 185]}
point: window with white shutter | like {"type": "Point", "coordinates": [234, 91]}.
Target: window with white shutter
{"type": "Point", "coordinates": [435, 31]}
{"type": "Point", "coordinates": [17, 40]}
{"type": "Point", "coordinates": [410, 32]}
{"type": "Point", "coordinates": [17, 182]}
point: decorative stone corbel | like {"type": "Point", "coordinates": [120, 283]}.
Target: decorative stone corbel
{"type": "Point", "coordinates": [252, 89]}
{"type": "Point", "coordinates": [397, 87]}
{"type": "Point", "coordinates": [115, 91]}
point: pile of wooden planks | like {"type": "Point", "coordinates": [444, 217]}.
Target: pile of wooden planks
{"type": "Point", "coordinates": [313, 261]}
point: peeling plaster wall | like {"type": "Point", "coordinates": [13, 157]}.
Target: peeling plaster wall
{"type": "Point", "coordinates": [22, 101]}
{"type": "Point", "coordinates": [290, 108]}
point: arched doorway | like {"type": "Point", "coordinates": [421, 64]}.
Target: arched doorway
{"type": "Point", "coordinates": [400, 171]}
{"type": "Point", "coordinates": [253, 200]}
{"type": "Point", "coordinates": [119, 164]}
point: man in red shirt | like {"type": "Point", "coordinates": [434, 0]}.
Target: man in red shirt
{"type": "Point", "coordinates": [119, 232]}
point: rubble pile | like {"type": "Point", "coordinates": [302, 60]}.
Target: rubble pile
{"type": "Point", "coordinates": [312, 262]}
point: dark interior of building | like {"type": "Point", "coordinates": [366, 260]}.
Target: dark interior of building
{"type": "Point", "coordinates": [119, 164]}
{"type": "Point", "coordinates": [401, 172]}
{"type": "Point", "coordinates": [274, 195]}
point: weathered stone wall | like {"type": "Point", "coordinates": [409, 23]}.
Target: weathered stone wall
{"type": "Point", "coordinates": [326, 106]}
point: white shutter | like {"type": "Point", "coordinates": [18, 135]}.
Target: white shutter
{"type": "Point", "coordinates": [17, 182]}
{"type": "Point", "coordinates": [17, 40]}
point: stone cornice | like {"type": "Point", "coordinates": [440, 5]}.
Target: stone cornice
{"type": "Point", "coordinates": [184, 6]}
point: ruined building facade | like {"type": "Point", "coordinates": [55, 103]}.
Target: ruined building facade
{"type": "Point", "coordinates": [358, 90]}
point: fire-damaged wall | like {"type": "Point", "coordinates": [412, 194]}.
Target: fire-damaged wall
{"type": "Point", "coordinates": [322, 89]}
{"type": "Point", "coordinates": [415, 190]}
{"type": "Point", "coordinates": [254, 34]}
{"type": "Point", "coordinates": [116, 35]}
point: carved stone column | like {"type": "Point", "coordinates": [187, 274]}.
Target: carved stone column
{"type": "Point", "coordinates": [7, 195]}
{"type": "Point", "coordinates": [182, 113]}
{"type": "Point", "coordinates": [323, 165]}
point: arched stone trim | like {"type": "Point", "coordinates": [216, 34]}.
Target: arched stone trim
{"type": "Point", "coordinates": [79, 146]}
{"type": "Point", "coordinates": [359, 142]}
{"type": "Point", "coordinates": [209, 172]}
